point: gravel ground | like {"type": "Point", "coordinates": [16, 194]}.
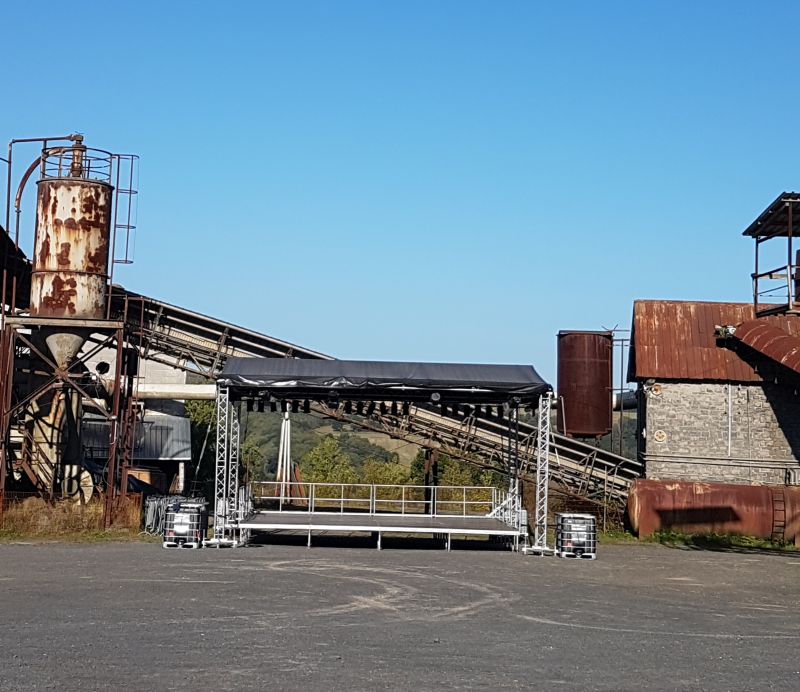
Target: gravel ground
{"type": "Point", "coordinates": [134, 616]}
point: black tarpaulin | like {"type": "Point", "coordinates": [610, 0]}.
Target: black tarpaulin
{"type": "Point", "coordinates": [361, 379]}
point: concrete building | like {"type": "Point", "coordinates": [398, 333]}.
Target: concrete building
{"type": "Point", "coordinates": [713, 409]}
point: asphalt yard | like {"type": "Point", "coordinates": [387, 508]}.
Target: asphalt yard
{"type": "Point", "coordinates": [343, 615]}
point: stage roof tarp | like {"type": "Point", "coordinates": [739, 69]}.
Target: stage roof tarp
{"type": "Point", "coordinates": [382, 380]}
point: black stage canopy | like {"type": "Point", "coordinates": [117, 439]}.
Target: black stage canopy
{"type": "Point", "coordinates": [363, 380]}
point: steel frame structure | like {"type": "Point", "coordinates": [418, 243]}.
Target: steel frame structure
{"type": "Point", "coordinates": [226, 473]}
{"type": "Point", "coordinates": [17, 345]}
{"type": "Point", "coordinates": [542, 474]}
{"type": "Point", "coordinates": [576, 468]}
{"type": "Point", "coordinates": [378, 509]}
{"type": "Point", "coordinates": [201, 344]}
{"type": "Point", "coordinates": [229, 507]}
{"type": "Point", "coordinates": [773, 286]}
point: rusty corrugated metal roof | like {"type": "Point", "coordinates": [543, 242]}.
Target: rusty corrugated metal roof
{"type": "Point", "coordinates": [771, 341]}
{"type": "Point", "coordinates": [674, 340]}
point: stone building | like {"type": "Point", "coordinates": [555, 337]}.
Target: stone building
{"type": "Point", "coordinates": [710, 408]}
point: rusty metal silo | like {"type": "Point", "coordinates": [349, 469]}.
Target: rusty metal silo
{"type": "Point", "coordinates": [584, 383]}
{"type": "Point", "coordinates": [71, 248]}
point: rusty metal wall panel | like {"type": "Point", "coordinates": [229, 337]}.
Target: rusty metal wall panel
{"type": "Point", "coordinates": [584, 383]}
{"type": "Point", "coordinates": [70, 260]}
{"type": "Point", "coordinates": [699, 508]}
{"type": "Point", "coordinates": [674, 340]}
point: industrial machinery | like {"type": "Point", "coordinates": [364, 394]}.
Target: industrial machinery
{"type": "Point", "coordinates": [54, 332]}
{"type": "Point", "coordinates": [72, 342]}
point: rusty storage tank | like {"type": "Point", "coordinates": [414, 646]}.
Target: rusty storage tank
{"type": "Point", "coordinates": [722, 508]}
{"type": "Point", "coordinates": [71, 248]}
{"type": "Point", "coordinates": [584, 383]}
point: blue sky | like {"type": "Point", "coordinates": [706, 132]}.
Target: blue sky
{"type": "Point", "coordinates": [450, 181]}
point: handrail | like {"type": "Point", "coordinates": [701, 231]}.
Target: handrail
{"type": "Point", "coordinates": [377, 498]}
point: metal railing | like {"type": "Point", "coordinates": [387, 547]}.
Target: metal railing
{"type": "Point", "coordinates": [779, 293]}
{"type": "Point", "coordinates": [364, 498]}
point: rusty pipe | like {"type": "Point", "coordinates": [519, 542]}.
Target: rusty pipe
{"type": "Point", "coordinates": [21, 188]}
{"type": "Point", "coordinates": [74, 137]}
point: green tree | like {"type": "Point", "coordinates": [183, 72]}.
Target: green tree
{"type": "Point", "coordinates": [326, 463]}
{"type": "Point", "coordinates": [380, 472]}
{"type": "Point", "coordinates": [253, 462]}
{"type": "Point", "coordinates": [455, 472]}
{"type": "Point", "coordinates": [202, 418]}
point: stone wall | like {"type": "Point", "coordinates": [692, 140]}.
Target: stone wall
{"type": "Point", "coordinates": [722, 433]}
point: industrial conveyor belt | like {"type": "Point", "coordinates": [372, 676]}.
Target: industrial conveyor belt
{"type": "Point", "coordinates": [201, 344]}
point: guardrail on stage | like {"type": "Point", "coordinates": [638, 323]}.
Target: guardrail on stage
{"type": "Point", "coordinates": [365, 498]}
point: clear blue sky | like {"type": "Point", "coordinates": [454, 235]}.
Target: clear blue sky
{"type": "Point", "coordinates": [450, 181]}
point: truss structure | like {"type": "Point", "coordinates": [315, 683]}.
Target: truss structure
{"type": "Point", "coordinates": [201, 344]}
{"type": "Point", "coordinates": [226, 475]}
{"type": "Point", "coordinates": [542, 474]}
{"type": "Point", "coordinates": [577, 469]}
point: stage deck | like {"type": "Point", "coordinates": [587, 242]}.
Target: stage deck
{"type": "Point", "coordinates": [319, 522]}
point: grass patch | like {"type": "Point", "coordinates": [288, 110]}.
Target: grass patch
{"type": "Point", "coordinates": [614, 536]}
{"type": "Point", "coordinates": [710, 541]}
{"type": "Point", "coordinates": [714, 541]}
{"type": "Point", "coordinates": [35, 518]}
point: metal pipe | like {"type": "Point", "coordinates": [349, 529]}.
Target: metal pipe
{"type": "Point", "coordinates": [113, 431]}
{"type": "Point", "coordinates": [190, 392]}
{"type": "Point", "coordinates": [755, 283]}
{"type": "Point", "coordinates": [789, 262]}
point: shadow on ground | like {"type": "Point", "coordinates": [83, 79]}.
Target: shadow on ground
{"type": "Point", "coordinates": [728, 544]}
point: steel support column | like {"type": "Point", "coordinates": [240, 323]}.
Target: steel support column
{"type": "Point", "coordinates": [221, 485]}
{"type": "Point", "coordinates": [226, 475]}
{"type": "Point", "coordinates": [542, 473]}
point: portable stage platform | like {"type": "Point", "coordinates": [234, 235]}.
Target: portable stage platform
{"type": "Point", "coordinates": [362, 388]}
{"type": "Point", "coordinates": [338, 508]}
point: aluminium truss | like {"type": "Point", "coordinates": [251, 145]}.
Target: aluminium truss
{"type": "Point", "coordinates": [226, 474]}
{"type": "Point", "coordinates": [542, 476]}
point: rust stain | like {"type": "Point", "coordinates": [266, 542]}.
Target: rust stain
{"type": "Point", "coordinates": [44, 248]}
{"type": "Point", "coordinates": [61, 300]}
{"type": "Point", "coordinates": [97, 261]}
{"type": "Point", "coordinates": [713, 508]}
{"type": "Point", "coordinates": [63, 256]}
{"type": "Point", "coordinates": [772, 341]}
{"type": "Point", "coordinates": [584, 383]}
{"type": "Point", "coordinates": [71, 253]}
{"type": "Point", "coordinates": [674, 340]}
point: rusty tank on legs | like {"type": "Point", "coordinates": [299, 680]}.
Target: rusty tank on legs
{"type": "Point", "coordinates": [69, 282]}
{"type": "Point", "coordinates": [769, 512]}
{"type": "Point", "coordinates": [70, 262]}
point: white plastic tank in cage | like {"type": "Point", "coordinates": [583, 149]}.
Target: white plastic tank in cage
{"type": "Point", "coordinates": [185, 525]}
{"type": "Point", "coordinates": [576, 536]}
